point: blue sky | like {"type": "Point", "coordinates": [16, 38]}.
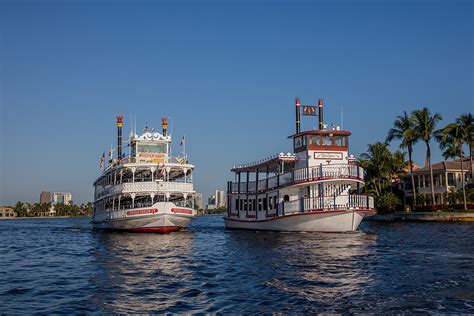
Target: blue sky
{"type": "Point", "coordinates": [227, 72]}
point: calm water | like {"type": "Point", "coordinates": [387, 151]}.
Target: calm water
{"type": "Point", "coordinates": [63, 266]}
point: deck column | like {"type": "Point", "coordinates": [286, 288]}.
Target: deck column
{"type": "Point", "coordinates": [256, 194]}
{"type": "Point", "coordinates": [266, 194]}
{"type": "Point", "coordinates": [238, 187]}
{"type": "Point", "coordinates": [133, 173]}
{"type": "Point", "coordinates": [133, 199]}
{"type": "Point", "coordinates": [247, 196]}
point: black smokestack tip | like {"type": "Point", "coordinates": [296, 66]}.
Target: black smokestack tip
{"type": "Point", "coordinates": [119, 136]}
{"type": "Point", "coordinates": [320, 107]}
{"type": "Point", "coordinates": [298, 113]}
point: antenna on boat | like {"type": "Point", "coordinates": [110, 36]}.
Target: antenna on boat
{"type": "Point", "coordinates": [342, 118]}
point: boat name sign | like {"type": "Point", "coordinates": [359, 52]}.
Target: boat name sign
{"type": "Point", "coordinates": [181, 211]}
{"type": "Point", "coordinates": [142, 212]}
{"type": "Point", "coordinates": [327, 155]}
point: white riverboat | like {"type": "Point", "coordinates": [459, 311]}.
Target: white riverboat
{"type": "Point", "coordinates": [315, 188]}
{"type": "Point", "coordinates": [147, 191]}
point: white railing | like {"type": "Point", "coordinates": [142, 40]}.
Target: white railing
{"type": "Point", "coordinates": [340, 202]}
{"type": "Point", "coordinates": [154, 186]}
{"type": "Point", "coordinates": [322, 172]}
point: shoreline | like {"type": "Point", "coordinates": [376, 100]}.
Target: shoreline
{"type": "Point", "coordinates": [42, 217]}
{"type": "Point", "coordinates": [423, 217]}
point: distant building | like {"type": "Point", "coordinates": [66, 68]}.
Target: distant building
{"type": "Point", "coordinates": [62, 197]}
{"type": "Point", "coordinates": [56, 197]}
{"type": "Point", "coordinates": [7, 212]}
{"type": "Point", "coordinates": [198, 200]}
{"type": "Point", "coordinates": [220, 199]}
{"type": "Point", "coordinates": [217, 201]}
{"type": "Point", "coordinates": [447, 177]}
{"type": "Point", "coordinates": [211, 202]}
{"type": "Point", "coordinates": [46, 197]}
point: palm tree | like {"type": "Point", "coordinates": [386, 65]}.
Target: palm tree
{"type": "Point", "coordinates": [403, 129]}
{"type": "Point", "coordinates": [425, 130]}
{"type": "Point", "coordinates": [454, 134]}
{"type": "Point", "coordinates": [467, 123]}
{"type": "Point", "coordinates": [450, 152]}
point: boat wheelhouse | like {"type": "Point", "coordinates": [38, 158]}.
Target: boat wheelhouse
{"type": "Point", "coordinates": [315, 188]}
{"type": "Point", "coordinates": [147, 190]}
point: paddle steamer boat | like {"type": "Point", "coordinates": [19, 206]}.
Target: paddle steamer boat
{"type": "Point", "coordinates": [147, 191]}
{"type": "Point", "coordinates": [315, 188]}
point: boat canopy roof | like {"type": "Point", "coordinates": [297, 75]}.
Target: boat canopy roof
{"type": "Point", "coordinates": [323, 132]}
{"type": "Point", "coordinates": [273, 164]}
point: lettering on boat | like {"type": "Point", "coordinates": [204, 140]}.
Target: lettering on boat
{"type": "Point", "coordinates": [181, 211]}
{"type": "Point", "coordinates": [327, 155]}
{"type": "Point", "coordinates": [141, 212]}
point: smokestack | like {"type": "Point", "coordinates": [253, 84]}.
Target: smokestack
{"type": "Point", "coordinates": [298, 113]}
{"type": "Point", "coordinates": [320, 107]}
{"type": "Point", "coordinates": [164, 125]}
{"type": "Point", "coordinates": [119, 136]}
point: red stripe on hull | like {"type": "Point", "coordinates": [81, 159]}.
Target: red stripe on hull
{"type": "Point", "coordinates": [156, 230]}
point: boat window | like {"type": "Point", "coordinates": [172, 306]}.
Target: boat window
{"type": "Point", "coordinates": [341, 141]}
{"type": "Point", "coordinates": [327, 141]}
{"type": "Point", "coordinates": [298, 142]}
{"type": "Point", "coordinates": [158, 148]}
{"type": "Point", "coordinates": [314, 139]}
{"type": "Point", "coordinates": [264, 204]}
{"type": "Point", "coordinates": [237, 204]}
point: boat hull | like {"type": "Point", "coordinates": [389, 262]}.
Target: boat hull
{"type": "Point", "coordinates": [326, 221]}
{"type": "Point", "coordinates": [159, 218]}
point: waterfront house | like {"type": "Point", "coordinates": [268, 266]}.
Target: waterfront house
{"type": "Point", "coordinates": [7, 212]}
{"type": "Point", "coordinates": [446, 177]}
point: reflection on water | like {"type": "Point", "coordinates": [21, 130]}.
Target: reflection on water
{"type": "Point", "coordinates": [63, 266]}
{"type": "Point", "coordinates": [140, 271]}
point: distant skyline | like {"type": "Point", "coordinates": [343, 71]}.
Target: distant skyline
{"type": "Point", "coordinates": [225, 72]}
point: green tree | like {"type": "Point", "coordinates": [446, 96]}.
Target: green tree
{"type": "Point", "coordinates": [377, 164]}
{"type": "Point", "coordinates": [425, 130]}
{"type": "Point", "coordinates": [403, 130]}
{"type": "Point", "coordinates": [388, 202]}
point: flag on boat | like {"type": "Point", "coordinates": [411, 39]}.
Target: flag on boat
{"type": "Point", "coordinates": [101, 160]}
{"type": "Point", "coordinates": [111, 153]}
{"type": "Point", "coordinates": [181, 142]}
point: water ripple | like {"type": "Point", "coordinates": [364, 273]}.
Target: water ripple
{"type": "Point", "coordinates": [63, 266]}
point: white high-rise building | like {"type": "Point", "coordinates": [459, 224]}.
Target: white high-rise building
{"type": "Point", "coordinates": [220, 199]}
{"type": "Point", "coordinates": [61, 197]}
